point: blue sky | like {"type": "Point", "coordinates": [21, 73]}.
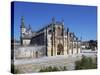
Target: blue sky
{"type": "Point", "coordinates": [82, 20]}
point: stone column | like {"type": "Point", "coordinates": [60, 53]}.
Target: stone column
{"type": "Point", "coordinates": [68, 42]}
{"type": "Point", "coordinates": [77, 45]}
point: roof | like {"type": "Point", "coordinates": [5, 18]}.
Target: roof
{"type": "Point", "coordinates": [48, 25]}
{"type": "Point", "coordinates": [27, 37]}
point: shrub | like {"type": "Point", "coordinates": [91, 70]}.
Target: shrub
{"type": "Point", "coordinates": [51, 69]}
{"type": "Point", "coordinates": [85, 63]}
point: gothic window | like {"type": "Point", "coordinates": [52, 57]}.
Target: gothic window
{"type": "Point", "coordinates": [23, 34]}
{"type": "Point", "coordinates": [78, 45]}
{"type": "Point", "coordinates": [50, 31]}
{"type": "Point", "coordinates": [70, 46]}
{"type": "Point", "coordinates": [59, 31]}
{"type": "Point", "coordinates": [59, 49]}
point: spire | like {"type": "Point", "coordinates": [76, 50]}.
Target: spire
{"type": "Point", "coordinates": [73, 34]}
{"type": "Point", "coordinates": [62, 21]}
{"type": "Point", "coordinates": [63, 27]}
{"type": "Point", "coordinates": [81, 38]}
{"type": "Point", "coordinates": [22, 22]}
{"type": "Point", "coordinates": [29, 27]}
{"type": "Point", "coordinates": [67, 30]}
{"type": "Point", "coordinates": [76, 38]}
{"type": "Point", "coordinates": [53, 19]}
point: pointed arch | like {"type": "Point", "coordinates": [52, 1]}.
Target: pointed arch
{"type": "Point", "coordinates": [60, 50]}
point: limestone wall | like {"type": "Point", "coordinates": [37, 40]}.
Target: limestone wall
{"type": "Point", "coordinates": [29, 51]}
{"type": "Point", "coordinates": [26, 42]}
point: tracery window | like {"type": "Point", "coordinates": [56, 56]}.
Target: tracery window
{"type": "Point", "coordinates": [59, 31]}
{"type": "Point", "coordinates": [50, 31]}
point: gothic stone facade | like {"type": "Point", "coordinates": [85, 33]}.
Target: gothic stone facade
{"type": "Point", "coordinates": [56, 39]}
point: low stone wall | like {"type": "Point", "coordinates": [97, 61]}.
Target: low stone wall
{"type": "Point", "coordinates": [29, 51]}
{"type": "Point", "coordinates": [34, 65]}
{"type": "Point", "coordinates": [31, 66]}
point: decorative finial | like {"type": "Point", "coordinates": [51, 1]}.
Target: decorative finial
{"type": "Point", "coordinates": [67, 30]}
{"type": "Point", "coordinates": [76, 38]}
{"type": "Point", "coordinates": [81, 38]}
{"type": "Point", "coordinates": [29, 26]}
{"type": "Point", "coordinates": [62, 21]}
{"type": "Point", "coordinates": [73, 34]}
{"type": "Point", "coordinates": [53, 19]}
{"type": "Point", "coordinates": [22, 18]}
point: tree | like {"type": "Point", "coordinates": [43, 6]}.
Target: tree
{"type": "Point", "coordinates": [92, 44]}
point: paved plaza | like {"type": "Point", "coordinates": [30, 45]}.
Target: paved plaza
{"type": "Point", "coordinates": [34, 65]}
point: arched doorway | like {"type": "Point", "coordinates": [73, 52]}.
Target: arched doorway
{"type": "Point", "coordinates": [60, 49]}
